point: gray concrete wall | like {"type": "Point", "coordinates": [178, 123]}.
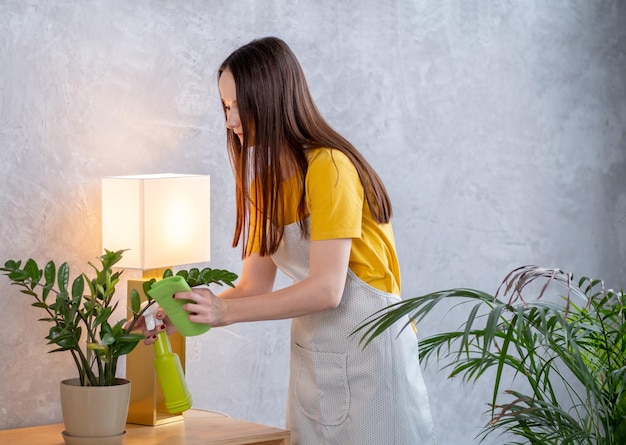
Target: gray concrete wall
{"type": "Point", "coordinates": [497, 126]}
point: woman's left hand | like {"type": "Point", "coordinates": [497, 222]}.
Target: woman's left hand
{"type": "Point", "coordinates": [204, 306]}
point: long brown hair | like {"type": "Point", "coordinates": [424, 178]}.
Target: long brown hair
{"type": "Point", "coordinates": [275, 106]}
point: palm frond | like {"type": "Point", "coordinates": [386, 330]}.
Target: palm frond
{"type": "Point", "coordinates": [570, 354]}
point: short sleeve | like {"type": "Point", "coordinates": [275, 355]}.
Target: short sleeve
{"type": "Point", "coordinates": [334, 196]}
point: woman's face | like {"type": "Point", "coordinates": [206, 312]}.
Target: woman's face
{"type": "Point", "coordinates": [228, 92]}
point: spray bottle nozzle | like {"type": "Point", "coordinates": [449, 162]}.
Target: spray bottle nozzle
{"type": "Point", "coordinates": [150, 315]}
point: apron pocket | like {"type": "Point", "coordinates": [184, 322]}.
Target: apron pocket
{"type": "Point", "coordinates": [322, 388]}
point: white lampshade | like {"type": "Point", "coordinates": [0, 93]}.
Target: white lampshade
{"type": "Point", "coordinates": [163, 220]}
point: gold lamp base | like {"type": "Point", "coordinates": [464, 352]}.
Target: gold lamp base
{"type": "Point", "coordinates": [147, 404]}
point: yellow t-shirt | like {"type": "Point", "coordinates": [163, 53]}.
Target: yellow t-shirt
{"type": "Point", "coordinates": [337, 208]}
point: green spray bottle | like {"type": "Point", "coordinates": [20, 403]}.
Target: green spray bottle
{"type": "Point", "coordinates": [168, 368]}
{"type": "Point", "coordinates": [163, 291]}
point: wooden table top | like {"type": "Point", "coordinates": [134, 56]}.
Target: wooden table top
{"type": "Point", "coordinates": [199, 428]}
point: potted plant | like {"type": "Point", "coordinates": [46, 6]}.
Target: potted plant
{"type": "Point", "coordinates": [567, 357]}
{"type": "Point", "coordinates": [79, 311]}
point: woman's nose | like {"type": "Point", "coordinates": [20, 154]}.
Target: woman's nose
{"type": "Point", "coordinates": [232, 120]}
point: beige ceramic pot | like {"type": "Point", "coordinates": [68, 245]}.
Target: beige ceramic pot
{"type": "Point", "coordinates": [94, 411]}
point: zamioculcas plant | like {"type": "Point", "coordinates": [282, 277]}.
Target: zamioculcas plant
{"type": "Point", "coordinates": [567, 358]}
{"type": "Point", "coordinates": [80, 310]}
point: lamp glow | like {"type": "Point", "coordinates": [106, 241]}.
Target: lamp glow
{"type": "Point", "coordinates": [163, 220]}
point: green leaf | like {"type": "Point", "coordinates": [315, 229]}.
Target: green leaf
{"type": "Point", "coordinates": [206, 276]}
{"type": "Point", "coordinates": [18, 276]}
{"type": "Point", "coordinates": [49, 273]}
{"type": "Point", "coordinates": [62, 337]}
{"type": "Point", "coordinates": [78, 286]}
{"type": "Point", "coordinates": [100, 292]}
{"type": "Point", "coordinates": [97, 347]}
{"type": "Point", "coordinates": [110, 258]}
{"type": "Point", "coordinates": [194, 273]}
{"type": "Point", "coordinates": [11, 265]}
{"type": "Point", "coordinates": [91, 285]}
{"type": "Point", "coordinates": [127, 342]}
{"type": "Point", "coordinates": [146, 287]}
{"type": "Point", "coordinates": [33, 271]}
{"type": "Point", "coordinates": [89, 306]}
{"type": "Point", "coordinates": [63, 277]}
{"type": "Point", "coordinates": [105, 331]}
{"type": "Point", "coordinates": [108, 339]}
{"type": "Point", "coordinates": [135, 301]}
{"type": "Point", "coordinates": [102, 316]}
{"type": "Point", "coordinates": [183, 273]}
{"type": "Point", "coordinates": [129, 338]}
{"type": "Point", "coordinates": [46, 291]}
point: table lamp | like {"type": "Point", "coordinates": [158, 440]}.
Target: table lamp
{"type": "Point", "coordinates": [163, 221]}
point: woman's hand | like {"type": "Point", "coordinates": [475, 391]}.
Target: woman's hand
{"type": "Point", "coordinates": [151, 335]}
{"type": "Point", "coordinates": [204, 307]}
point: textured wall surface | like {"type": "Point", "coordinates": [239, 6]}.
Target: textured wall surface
{"type": "Point", "coordinates": [498, 128]}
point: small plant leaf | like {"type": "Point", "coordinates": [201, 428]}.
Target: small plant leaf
{"type": "Point", "coordinates": [108, 339]}
{"type": "Point", "coordinates": [49, 273]}
{"type": "Point", "coordinates": [31, 268]}
{"type": "Point", "coordinates": [63, 277]}
{"type": "Point", "coordinates": [78, 286]}
{"type": "Point", "coordinates": [135, 301]}
{"type": "Point", "coordinates": [103, 316]}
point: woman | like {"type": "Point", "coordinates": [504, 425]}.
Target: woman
{"type": "Point", "coordinates": [309, 204]}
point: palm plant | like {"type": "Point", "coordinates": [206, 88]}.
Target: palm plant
{"type": "Point", "coordinates": [567, 358]}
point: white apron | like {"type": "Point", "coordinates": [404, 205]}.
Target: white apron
{"type": "Point", "coordinates": [340, 393]}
